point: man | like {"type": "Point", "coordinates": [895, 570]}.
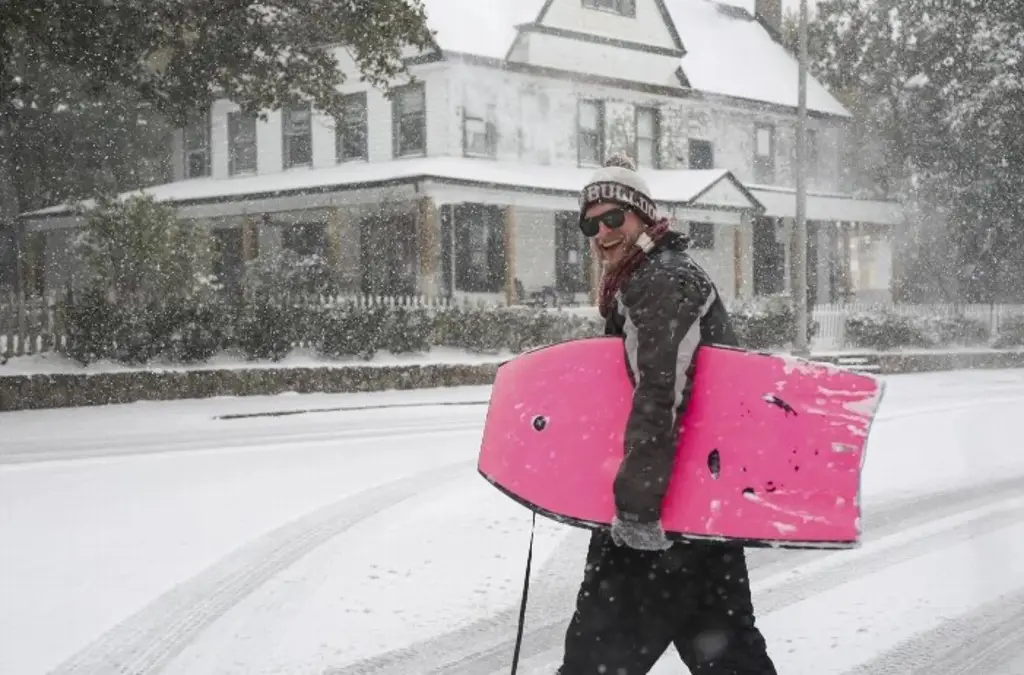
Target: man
{"type": "Point", "coordinates": [640, 592]}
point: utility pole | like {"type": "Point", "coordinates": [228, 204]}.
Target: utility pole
{"type": "Point", "coordinates": [800, 342]}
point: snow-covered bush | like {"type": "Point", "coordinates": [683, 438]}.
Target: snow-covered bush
{"type": "Point", "coordinates": [285, 272]}
{"type": "Point", "coordinates": [490, 330]}
{"type": "Point", "coordinates": [886, 330]}
{"type": "Point", "coordinates": [956, 330]}
{"type": "Point", "coordinates": [767, 325]}
{"type": "Point", "coordinates": [408, 330]}
{"type": "Point", "coordinates": [190, 331]}
{"type": "Point", "coordinates": [139, 248]}
{"type": "Point", "coordinates": [351, 330]}
{"type": "Point", "coordinates": [90, 322]}
{"type": "Point", "coordinates": [1011, 333]}
{"type": "Point", "coordinates": [266, 328]}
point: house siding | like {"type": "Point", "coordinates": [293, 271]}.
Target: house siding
{"type": "Point", "coordinates": [270, 140]}
{"type": "Point", "coordinates": [594, 58]}
{"type": "Point", "coordinates": [527, 135]}
{"type": "Point", "coordinates": [646, 27]}
{"type": "Point", "coordinates": [536, 124]}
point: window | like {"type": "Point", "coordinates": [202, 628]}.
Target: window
{"type": "Point", "coordinates": [623, 7]}
{"type": "Point", "coordinates": [811, 167]}
{"type": "Point", "coordinates": [197, 147]}
{"type": "Point", "coordinates": [479, 131]}
{"type": "Point", "coordinates": [764, 154]}
{"type": "Point", "coordinates": [479, 231]}
{"type": "Point", "coordinates": [702, 235]}
{"type": "Point", "coordinates": [241, 143]}
{"type": "Point", "coordinates": [572, 254]}
{"type": "Point", "coordinates": [590, 133]}
{"type": "Point", "coordinates": [409, 118]}
{"type": "Point", "coordinates": [769, 257]}
{"type": "Point", "coordinates": [534, 133]}
{"type": "Point", "coordinates": [229, 256]}
{"type": "Point", "coordinates": [298, 136]}
{"type": "Point", "coordinates": [646, 152]}
{"type": "Point", "coordinates": [350, 129]}
{"type": "Point", "coordinates": [812, 153]}
{"type": "Point", "coordinates": [306, 239]}
{"type": "Point", "coordinates": [702, 154]}
{"type": "Point", "coordinates": [388, 253]}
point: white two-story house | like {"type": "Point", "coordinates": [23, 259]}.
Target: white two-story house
{"type": "Point", "coordinates": [465, 182]}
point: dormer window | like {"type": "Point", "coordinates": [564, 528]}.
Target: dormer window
{"type": "Point", "coordinates": [622, 7]}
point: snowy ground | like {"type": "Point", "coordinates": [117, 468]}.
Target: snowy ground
{"type": "Point", "coordinates": [157, 537]}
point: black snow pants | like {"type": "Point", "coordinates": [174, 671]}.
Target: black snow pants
{"type": "Point", "coordinates": [633, 604]}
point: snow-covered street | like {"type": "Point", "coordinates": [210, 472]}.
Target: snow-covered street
{"type": "Point", "coordinates": [164, 537]}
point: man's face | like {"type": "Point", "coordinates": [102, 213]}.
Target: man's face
{"type": "Point", "coordinates": [611, 244]}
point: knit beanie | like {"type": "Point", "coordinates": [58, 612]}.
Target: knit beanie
{"type": "Point", "coordinates": [618, 182]}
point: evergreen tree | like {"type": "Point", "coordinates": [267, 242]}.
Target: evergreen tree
{"type": "Point", "coordinates": [936, 88]}
{"type": "Point", "coordinates": [120, 64]}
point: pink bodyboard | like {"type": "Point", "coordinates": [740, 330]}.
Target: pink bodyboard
{"type": "Point", "coordinates": [770, 453]}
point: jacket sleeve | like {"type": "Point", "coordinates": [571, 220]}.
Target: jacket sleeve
{"type": "Point", "coordinates": [663, 331]}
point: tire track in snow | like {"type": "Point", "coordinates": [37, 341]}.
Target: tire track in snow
{"type": "Point", "coordinates": [982, 642]}
{"type": "Point", "coordinates": [774, 594]}
{"type": "Point", "coordinates": [486, 645]}
{"type": "Point", "coordinates": [148, 640]}
{"type": "Point", "coordinates": [143, 446]}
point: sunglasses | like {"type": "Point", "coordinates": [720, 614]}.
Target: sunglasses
{"type": "Point", "coordinates": [612, 219]}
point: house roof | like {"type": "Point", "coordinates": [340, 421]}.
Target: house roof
{"type": "Point", "coordinates": [479, 27]}
{"type": "Point", "coordinates": [728, 52]}
{"type": "Point", "coordinates": [677, 188]}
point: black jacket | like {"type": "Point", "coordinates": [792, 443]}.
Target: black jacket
{"type": "Point", "coordinates": [665, 310]}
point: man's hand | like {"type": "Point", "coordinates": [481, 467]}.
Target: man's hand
{"type": "Point", "coordinates": [640, 536]}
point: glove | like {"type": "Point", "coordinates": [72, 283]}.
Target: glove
{"type": "Point", "coordinates": [640, 536]}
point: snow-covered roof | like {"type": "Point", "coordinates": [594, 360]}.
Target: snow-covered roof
{"type": "Point", "coordinates": [728, 52]}
{"type": "Point", "coordinates": [677, 187]}
{"type": "Point", "coordinates": [479, 27]}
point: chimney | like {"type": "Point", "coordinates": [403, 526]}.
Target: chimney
{"type": "Point", "coordinates": [769, 12]}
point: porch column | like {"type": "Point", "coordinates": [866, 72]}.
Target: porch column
{"type": "Point", "coordinates": [509, 241]}
{"type": "Point", "coordinates": [332, 237]}
{"type": "Point", "coordinates": [737, 255]}
{"type": "Point", "coordinates": [845, 264]}
{"type": "Point", "coordinates": [33, 266]}
{"type": "Point", "coordinates": [789, 235]}
{"type": "Point", "coordinates": [743, 256]}
{"type": "Point", "coordinates": [865, 258]}
{"type": "Point", "coordinates": [826, 251]}
{"type": "Point", "coordinates": [428, 246]}
{"type": "Point", "coordinates": [203, 229]}
{"type": "Point", "coordinates": [250, 238]}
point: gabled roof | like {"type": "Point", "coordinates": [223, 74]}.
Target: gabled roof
{"type": "Point", "coordinates": [479, 27]}
{"type": "Point", "coordinates": [727, 51]}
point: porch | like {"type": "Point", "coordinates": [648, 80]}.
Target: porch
{"type": "Point", "coordinates": [849, 246]}
{"type": "Point", "coordinates": [455, 228]}
{"type": "Point", "coordinates": [498, 232]}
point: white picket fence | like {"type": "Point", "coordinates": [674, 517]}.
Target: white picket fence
{"type": "Point", "coordinates": [832, 318]}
